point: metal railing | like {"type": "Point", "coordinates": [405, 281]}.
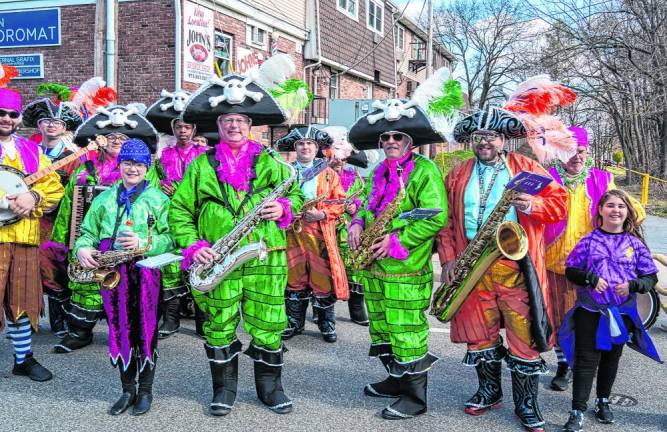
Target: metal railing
{"type": "Point", "coordinates": [646, 180]}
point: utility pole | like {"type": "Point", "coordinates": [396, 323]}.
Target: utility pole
{"type": "Point", "coordinates": [429, 41]}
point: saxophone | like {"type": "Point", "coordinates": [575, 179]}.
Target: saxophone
{"type": "Point", "coordinates": [362, 257]}
{"type": "Point", "coordinates": [496, 238]}
{"type": "Point", "coordinates": [105, 275]}
{"type": "Point", "coordinates": [230, 256]}
{"type": "Point", "coordinates": [297, 222]}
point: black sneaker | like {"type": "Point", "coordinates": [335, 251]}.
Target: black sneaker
{"type": "Point", "coordinates": [602, 411]}
{"type": "Point", "coordinates": [32, 369]}
{"type": "Point", "coordinates": [575, 423]}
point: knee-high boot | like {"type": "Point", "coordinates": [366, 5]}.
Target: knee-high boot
{"type": "Point", "coordinates": [296, 305]}
{"type": "Point", "coordinates": [269, 388]}
{"type": "Point", "coordinates": [387, 388]}
{"type": "Point", "coordinates": [79, 336]}
{"type": "Point", "coordinates": [171, 320]}
{"type": "Point", "coordinates": [145, 393]}
{"type": "Point", "coordinates": [225, 384]}
{"type": "Point", "coordinates": [326, 317]}
{"type": "Point", "coordinates": [357, 306]}
{"type": "Point", "coordinates": [525, 384]}
{"type": "Point", "coordinates": [57, 318]}
{"type": "Point", "coordinates": [128, 381]}
{"type": "Point", "coordinates": [490, 391]}
{"type": "Point", "coordinates": [412, 400]}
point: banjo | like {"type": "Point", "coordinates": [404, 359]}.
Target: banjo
{"type": "Point", "coordinates": [13, 181]}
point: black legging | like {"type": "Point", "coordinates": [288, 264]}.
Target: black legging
{"type": "Point", "coordinates": [588, 359]}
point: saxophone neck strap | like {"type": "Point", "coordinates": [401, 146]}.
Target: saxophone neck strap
{"type": "Point", "coordinates": [122, 208]}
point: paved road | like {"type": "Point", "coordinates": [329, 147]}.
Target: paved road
{"type": "Point", "coordinates": [325, 380]}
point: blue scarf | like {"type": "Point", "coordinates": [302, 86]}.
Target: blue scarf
{"type": "Point", "coordinates": [127, 196]}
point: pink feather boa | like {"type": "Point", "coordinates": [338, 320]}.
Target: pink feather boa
{"type": "Point", "coordinates": [396, 250]}
{"type": "Point", "coordinates": [189, 252]}
{"type": "Point", "coordinates": [286, 219]}
{"type": "Point", "coordinates": [171, 160]}
{"type": "Point", "coordinates": [237, 171]}
{"type": "Point", "coordinates": [384, 191]}
{"type": "Point", "coordinates": [107, 172]}
{"type": "Point", "coordinates": [347, 178]}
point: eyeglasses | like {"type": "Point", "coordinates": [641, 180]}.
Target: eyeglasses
{"type": "Point", "coordinates": [484, 137]}
{"type": "Point", "coordinates": [117, 137]}
{"type": "Point", "coordinates": [132, 164]}
{"type": "Point", "coordinates": [51, 122]}
{"type": "Point", "coordinates": [229, 121]}
{"type": "Point", "coordinates": [395, 136]}
{"type": "Point", "coordinates": [12, 114]}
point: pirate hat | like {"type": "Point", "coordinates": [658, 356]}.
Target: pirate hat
{"type": "Point", "coordinates": [288, 142]}
{"type": "Point", "coordinates": [166, 109]}
{"type": "Point", "coordinates": [44, 108]}
{"type": "Point", "coordinates": [126, 120]}
{"type": "Point", "coordinates": [394, 115]}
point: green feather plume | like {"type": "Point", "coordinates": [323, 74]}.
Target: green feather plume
{"type": "Point", "coordinates": [62, 92]}
{"type": "Point", "coordinates": [293, 96]}
{"type": "Point", "coordinates": [450, 101]}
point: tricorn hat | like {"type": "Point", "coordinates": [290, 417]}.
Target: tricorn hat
{"type": "Point", "coordinates": [45, 108]}
{"type": "Point", "coordinates": [169, 107]}
{"type": "Point", "coordinates": [232, 94]}
{"type": "Point", "coordinates": [288, 142]}
{"type": "Point", "coordinates": [126, 120]}
{"type": "Point", "coordinates": [492, 118]}
{"type": "Point", "coordinates": [394, 115]}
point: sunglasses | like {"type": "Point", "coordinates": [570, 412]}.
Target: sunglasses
{"type": "Point", "coordinates": [12, 114]}
{"type": "Point", "coordinates": [395, 136]}
{"type": "Point", "coordinates": [486, 138]}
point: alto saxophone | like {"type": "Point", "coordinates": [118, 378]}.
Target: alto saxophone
{"type": "Point", "coordinates": [297, 222]}
{"type": "Point", "coordinates": [104, 274]}
{"type": "Point", "coordinates": [496, 238]}
{"type": "Point", "coordinates": [362, 256]}
{"type": "Point", "coordinates": [230, 256]}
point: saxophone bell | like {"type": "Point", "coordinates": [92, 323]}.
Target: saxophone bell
{"type": "Point", "coordinates": [108, 279]}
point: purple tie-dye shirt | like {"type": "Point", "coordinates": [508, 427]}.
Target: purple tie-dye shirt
{"type": "Point", "coordinates": [616, 258]}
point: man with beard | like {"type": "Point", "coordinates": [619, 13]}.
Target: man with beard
{"type": "Point", "coordinates": [474, 187]}
{"type": "Point", "coordinates": [20, 285]}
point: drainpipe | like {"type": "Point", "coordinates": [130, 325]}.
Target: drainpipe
{"type": "Point", "coordinates": [319, 49]}
{"type": "Point", "coordinates": [178, 28]}
{"type": "Point", "coordinates": [110, 41]}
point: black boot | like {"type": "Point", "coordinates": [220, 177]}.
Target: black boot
{"type": "Point", "coordinates": [57, 318]}
{"type": "Point", "coordinates": [171, 320]}
{"type": "Point", "coordinates": [562, 378]}
{"type": "Point", "coordinates": [225, 384]}
{"type": "Point", "coordinates": [357, 308]}
{"type": "Point", "coordinates": [80, 335]}
{"type": "Point", "coordinates": [296, 304]}
{"type": "Point", "coordinates": [200, 319]}
{"type": "Point", "coordinates": [388, 388]}
{"type": "Point", "coordinates": [32, 369]}
{"type": "Point", "coordinates": [270, 388]}
{"type": "Point", "coordinates": [490, 392]}
{"type": "Point", "coordinates": [526, 404]}
{"type": "Point", "coordinates": [145, 393]}
{"type": "Point", "coordinates": [412, 400]}
{"type": "Point", "coordinates": [128, 381]}
{"type": "Point", "coordinates": [326, 317]}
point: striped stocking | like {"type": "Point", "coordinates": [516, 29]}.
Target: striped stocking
{"type": "Point", "coordinates": [20, 334]}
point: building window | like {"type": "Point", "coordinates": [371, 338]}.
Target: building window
{"type": "Point", "coordinates": [418, 50]}
{"type": "Point", "coordinates": [257, 36]}
{"type": "Point", "coordinates": [333, 86]}
{"type": "Point", "coordinates": [374, 15]}
{"type": "Point", "coordinates": [376, 76]}
{"type": "Point", "coordinates": [399, 37]}
{"type": "Point", "coordinates": [223, 53]}
{"type": "Point", "coordinates": [349, 8]}
{"type": "Point", "coordinates": [369, 90]}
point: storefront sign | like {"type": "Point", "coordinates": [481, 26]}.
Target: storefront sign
{"type": "Point", "coordinates": [30, 66]}
{"type": "Point", "coordinates": [198, 37]}
{"type": "Point", "coordinates": [30, 28]}
{"type": "Point", "coordinates": [247, 60]}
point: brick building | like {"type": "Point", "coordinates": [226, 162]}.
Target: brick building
{"type": "Point", "coordinates": [350, 55]}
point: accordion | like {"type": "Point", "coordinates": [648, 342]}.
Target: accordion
{"type": "Point", "coordinates": [82, 198]}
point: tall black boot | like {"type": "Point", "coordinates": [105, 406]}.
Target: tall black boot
{"type": "Point", "coordinates": [57, 317]}
{"type": "Point", "coordinates": [270, 388]}
{"type": "Point", "coordinates": [145, 393]}
{"type": "Point", "coordinates": [412, 400]}
{"type": "Point", "coordinates": [79, 336]}
{"type": "Point", "coordinates": [490, 391]}
{"type": "Point", "coordinates": [388, 388]}
{"type": "Point", "coordinates": [526, 404]}
{"type": "Point", "coordinates": [171, 320]}
{"type": "Point", "coordinates": [562, 378]}
{"type": "Point", "coordinates": [357, 308]}
{"type": "Point", "coordinates": [200, 319]}
{"type": "Point", "coordinates": [326, 317]}
{"type": "Point", "coordinates": [128, 381]}
{"type": "Point", "coordinates": [225, 384]}
{"type": "Point", "coordinates": [296, 304]}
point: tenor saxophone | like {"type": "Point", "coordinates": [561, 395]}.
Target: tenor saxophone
{"type": "Point", "coordinates": [104, 274]}
{"type": "Point", "coordinates": [362, 256]}
{"type": "Point", "coordinates": [230, 256]}
{"type": "Point", "coordinates": [297, 222]}
{"type": "Point", "coordinates": [496, 238]}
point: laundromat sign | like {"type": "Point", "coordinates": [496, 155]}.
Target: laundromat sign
{"type": "Point", "coordinates": [30, 28]}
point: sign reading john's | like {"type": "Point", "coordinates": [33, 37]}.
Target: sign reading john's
{"type": "Point", "coordinates": [30, 28]}
{"type": "Point", "coordinates": [198, 34]}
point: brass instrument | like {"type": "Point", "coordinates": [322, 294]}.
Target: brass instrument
{"type": "Point", "coordinates": [362, 257]}
{"type": "Point", "coordinates": [105, 275]}
{"type": "Point", "coordinates": [297, 221]}
{"type": "Point", "coordinates": [230, 254]}
{"type": "Point", "coordinates": [496, 238]}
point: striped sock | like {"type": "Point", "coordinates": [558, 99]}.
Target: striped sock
{"type": "Point", "coordinates": [20, 334]}
{"type": "Point", "coordinates": [560, 355]}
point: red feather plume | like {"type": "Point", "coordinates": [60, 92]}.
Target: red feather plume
{"type": "Point", "coordinates": [7, 74]}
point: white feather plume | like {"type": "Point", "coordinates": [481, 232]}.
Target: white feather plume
{"type": "Point", "coordinates": [275, 70]}
{"type": "Point", "coordinates": [430, 88]}
{"type": "Point", "coordinates": [87, 90]}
